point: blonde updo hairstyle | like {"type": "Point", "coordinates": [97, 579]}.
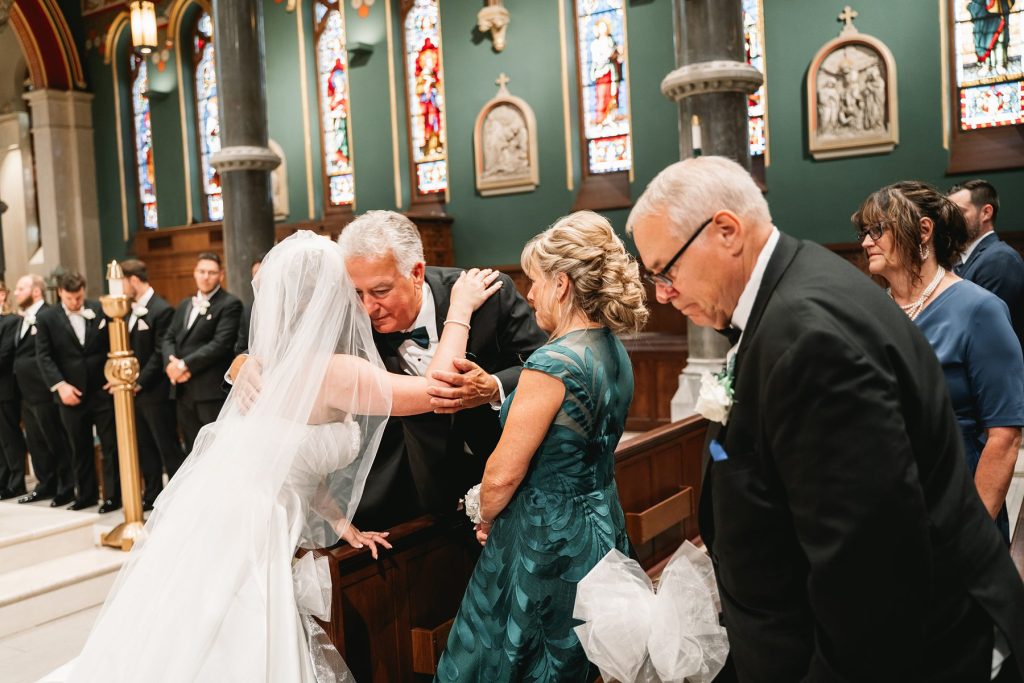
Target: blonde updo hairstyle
{"type": "Point", "coordinates": [604, 279]}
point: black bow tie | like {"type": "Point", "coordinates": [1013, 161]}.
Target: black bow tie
{"type": "Point", "coordinates": [419, 336]}
{"type": "Point", "coordinates": [732, 334]}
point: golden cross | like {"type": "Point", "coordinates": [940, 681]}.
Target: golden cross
{"type": "Point", "coordinates": [847, 15]}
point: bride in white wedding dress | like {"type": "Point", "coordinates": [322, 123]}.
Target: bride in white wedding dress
{"type": "Point", "coordinates": [213, 592]}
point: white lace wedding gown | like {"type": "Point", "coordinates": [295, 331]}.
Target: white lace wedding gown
{"type": "Point", "coordinates": [210, 595]}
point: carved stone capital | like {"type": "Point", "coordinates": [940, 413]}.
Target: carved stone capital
{"type": "Point", "coordinates": [711, 77]}
{"type": "Point", "coordinates": [245, 158]}
{"type": "Point", "coordinates": [5, 11]}
{"type": "Point", "coordinates": [494, 18]}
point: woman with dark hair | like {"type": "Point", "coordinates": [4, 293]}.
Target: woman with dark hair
{"type": "Point", "coordinates": [912, 236]}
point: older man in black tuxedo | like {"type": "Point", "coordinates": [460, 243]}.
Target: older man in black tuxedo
{"type": "Point", "coordinates": [848, 539]}
{"type": "Point", "coordinates": [157, 427]}
{"type": "Point", "coordinates": [47, 441]}
{"type": "Point", "coordinates": [198, 347]}
{"type": "Point", "coordinates": [425, 463]}
{"type": "Point", "coordinates": [71, 350]}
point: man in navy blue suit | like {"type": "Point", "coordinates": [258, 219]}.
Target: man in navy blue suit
{"type": "Point", "coordinates": [988, 261]}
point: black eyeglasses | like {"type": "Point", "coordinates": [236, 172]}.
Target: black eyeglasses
{"type": "Point", "coordinates": [662, 277]}
{"type": "Point", "coordinates": [874, 231]}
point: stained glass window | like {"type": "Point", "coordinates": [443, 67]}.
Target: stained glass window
{"type": "Point", "coordinates": [989, 45]}
{"type": "Point", "coordinates": [146, 172]}
{"type": "Point", "coordinates": [753, 35]}
{"type": "Point", "coordinates": [425, 91]}
{"type": "Point", "coordinates": [332, 70]}
{"type": "Point", "coordinates": [207, 113]}
{"type": "Point", "coordinates": [602, 50]}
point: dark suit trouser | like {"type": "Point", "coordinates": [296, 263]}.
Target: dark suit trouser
{"type": "Point", "coordinates": [12, 442]}
{"type": "Point", "coordinates": [193, 416]}
{"type": "Point", "coordinates": [49, 447]}
{"type": "Point", "coordinates": [159, 449]}
{"type": "Point", "coordinates": [96, 409]}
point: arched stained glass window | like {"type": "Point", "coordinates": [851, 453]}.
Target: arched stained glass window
{"type": "Point", "coordinates": [989, 48]}
{"type": "Point", "coordinates": [424, 75]}
{"type": "Point", "coordinates": [333, 86]}
{"type": "Point", "coordinates": [753, 34]}
{"type": "Point", "coordinates": [145, 170]}
{"type": "Point", "coordinates": [207, 113]}
{"type": "Point", "coordinates": [604, 90]}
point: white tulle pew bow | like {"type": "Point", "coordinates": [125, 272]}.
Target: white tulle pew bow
{"type": "Point", "coordinates": [635, 635]}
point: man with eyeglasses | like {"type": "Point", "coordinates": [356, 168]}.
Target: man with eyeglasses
{"type": "Point", "coordinates": [425, 463]}
{"type": "Point", "coordinates": [848, 540]}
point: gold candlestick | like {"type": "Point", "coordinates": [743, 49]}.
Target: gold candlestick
{"type": "Point", "coordinates": [122, 370]}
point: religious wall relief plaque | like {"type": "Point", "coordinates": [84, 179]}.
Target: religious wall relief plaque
{"type": "Point", "coordinates": [505, 145]}
{"type": "Point", "coordinates": [852, 106]}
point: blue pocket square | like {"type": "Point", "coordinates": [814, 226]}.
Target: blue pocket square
{"type": "Point", "coordinates": [718, 453]}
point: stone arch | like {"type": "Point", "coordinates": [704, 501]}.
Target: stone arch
{"type": "Point", "coordinates": [48, 45]}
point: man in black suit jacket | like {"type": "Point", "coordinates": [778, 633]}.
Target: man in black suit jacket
{"type": "Point", "coordinates": [157, 427]}
{"type": "Point", "coordinates": [848, 539]}
{"type": "Point", "coordinates": [47, 441]}
{"type": "Point", "coordinates": [988, 261]}
{"type": "Point", "coordinates": [425, 463]}
{"type": "Point", "coordinates": [71, 350]}
{"type": "Point", "coordinates": [198, 348]}
{"type": "Point", "coordinates": [12, 441]}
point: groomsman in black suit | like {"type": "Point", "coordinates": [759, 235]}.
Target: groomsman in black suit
{"type": "Point", "coordinates": [12, 441]}
{"type": "Point", "coordinates": [425, 463]}
{"type": "Point", "coordinates": [72, 347]}
{"type": "Point", "coordinates": [198, 348]}
{"type": "Point", "coordinates": [47, 441]}
{"type": "Point", "coordinates": [157, 427]}
{"type": "Point", "coordinates": [848, 538]}
{"type": "Point", "coordinates": [988, 261]}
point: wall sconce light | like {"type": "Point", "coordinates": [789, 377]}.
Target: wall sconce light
{"type": "Point", "coordinates": [143, 15]}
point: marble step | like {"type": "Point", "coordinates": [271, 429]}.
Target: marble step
{"type": "Point", "coordinates": [29, 535]}
{"type": "Point", "coordinates": [57, 587]}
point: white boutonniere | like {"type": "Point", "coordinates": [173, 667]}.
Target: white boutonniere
{"type": "Point", "coordinates": [103, 323]}
{"type": "Point", "coordinates": [471, 504]}
{"type": "Point", "coordinates": [88, 313]}
{"type": "Point", "coordinates": [140, 312]}
{"type": "Point", "coordinates": [716, 393]}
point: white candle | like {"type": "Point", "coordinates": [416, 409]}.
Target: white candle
{"type": "Point", "coordinates": [695, 140]}
{"type": "Point", "coordinates": [115, 286]}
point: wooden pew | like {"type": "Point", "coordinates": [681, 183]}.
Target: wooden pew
{"type": "Point", "coordinates": [391, 617]}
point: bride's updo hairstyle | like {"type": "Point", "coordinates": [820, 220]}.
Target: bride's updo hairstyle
{"type": "Point", "coordinates": [604, 279]}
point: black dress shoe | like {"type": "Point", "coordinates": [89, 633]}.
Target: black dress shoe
{"type": "Point", "coordinates": [7, 494]}
{"type": "Point", "coordinates": [109, 506]}
{"type": "Point", "coordinates": [62, 499]}
{"type": "Point", "coordinates": [34, 496]}
{"type": "Point", "coordinates": [81, 504]}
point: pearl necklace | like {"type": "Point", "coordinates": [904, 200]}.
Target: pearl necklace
{"type": "Point", "coordinates": [913, 309]}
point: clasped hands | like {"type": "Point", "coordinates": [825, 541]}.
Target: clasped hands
{"type": "Point", "coordinates": [175, 372]}
{"type": "Point", "coordinates": [470, 387]}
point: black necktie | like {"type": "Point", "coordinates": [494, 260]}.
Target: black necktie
{"type": "Point", "coordinates": [732, 334]}
{"type": "Point", "coordinates": [419, 336]}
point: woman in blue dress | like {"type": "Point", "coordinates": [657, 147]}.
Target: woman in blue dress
{"type": "Point", "coordinates": [548, 500]}
{"type": "Point", "coordinates": [912, 236]}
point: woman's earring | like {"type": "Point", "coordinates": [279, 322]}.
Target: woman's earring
{"type": "Point", "coordinates": [925, 252]}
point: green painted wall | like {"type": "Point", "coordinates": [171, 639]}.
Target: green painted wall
{"type": "Point", "coordinates": [814, 199]}
{"type": "Point", "coordinates": [808, 198]}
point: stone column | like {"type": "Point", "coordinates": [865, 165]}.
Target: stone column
{"type": "Point", "coordinates": [69, 224]}
{"type": "Point", "coordinates": [18, 191]}
{"type": "Point", "coordinates": [711, 81]}
{"type": "Point", "coordinates": [244, 161]}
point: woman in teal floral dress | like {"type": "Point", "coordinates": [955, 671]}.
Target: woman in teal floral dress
{"type": "Point", "coordinates": [548, 496]}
